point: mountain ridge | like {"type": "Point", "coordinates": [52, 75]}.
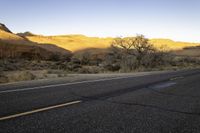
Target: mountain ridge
{"type": "Point", "coordinates": [4, 28]}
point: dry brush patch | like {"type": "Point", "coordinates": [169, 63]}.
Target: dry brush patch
{"type": "Point", "coordinates": [27, 75]}
{"type": "Point", "coordinates": [125, 55]}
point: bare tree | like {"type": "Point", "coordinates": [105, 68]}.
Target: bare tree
{"type": "Point", "coordinates": [138, 46]}
{"type": "Point", "coordinates": [123, 43]}
{"type": "Point", "coordinates": [142, 45]}
{"type": "Point", "coordinates": [142, 48]}
{"type": "Point", "coordinates": [138, 43]}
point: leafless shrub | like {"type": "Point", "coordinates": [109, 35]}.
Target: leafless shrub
{"type": "Point", "coordinates": [90, 69]}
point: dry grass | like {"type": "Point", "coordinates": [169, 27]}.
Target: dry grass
{"type": "Point", "coordinates": [12, 38]}
{"type": "Point", "coordinates": [73, 42]}
{"type": "Point", "coordinates": [15, 76]}
{"type": "Point", "coordinates": [171, 45]}
{"type": "Point", "coordinates": [20, 76]}
{"type": "Point", "coordinates": [188, 52]}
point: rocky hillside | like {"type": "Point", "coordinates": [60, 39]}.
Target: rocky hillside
{"type": "Point", "coordinates": [4, 28]}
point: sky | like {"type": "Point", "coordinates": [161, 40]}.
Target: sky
{"type": "Point", "coordinates": [174, 19]}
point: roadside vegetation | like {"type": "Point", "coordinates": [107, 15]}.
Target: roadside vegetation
{"type": "Point", "coordinates": [128, 54]}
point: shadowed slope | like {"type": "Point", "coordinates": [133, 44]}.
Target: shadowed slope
{"type": "Point", "coordinates": [13, 45]}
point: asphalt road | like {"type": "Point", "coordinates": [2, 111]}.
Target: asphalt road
{"type": "Point", "coordinates": [157, 103]}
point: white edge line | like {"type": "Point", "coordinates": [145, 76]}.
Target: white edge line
{"type": "Point", "coordinates": [66, 84]}
{"type": "Point", "coordinates": [38, 110]}
{"type": "Point", "coordinates": [176, 78]}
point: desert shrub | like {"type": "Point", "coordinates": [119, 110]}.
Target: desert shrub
{"type": "Point", "coordinates": [113, 67]}
{"type": "Point", "coordinates": [188, 60]}
{"type": "Point", "coordinates": [129, 63]}
{"type": "Point", "coordinates": [66, 58]}
{"type": "Point", "coordinates": [73, 67]}
{"type": "Point", "coordinates": [156, 59]}
{"type": "Point", "coordinates": [9, 65]}
{"type": "Point", "coordinates": [75, 60]}
{"type": "Point", "coordinates": [55, 57]}
{"type": "Point", "coordinates": [83, 57]}
{"type": "Point", "coordinates": [62, 66]}
{"type": "Point", "coordinates": [90, 69]}
{"type": "Point", "coordinates": [21, 76]}
{"type": "Point", "coordinates": [180, 61]}
{"type": "Point", "coordinates": [91, 57]}
{"type": "Point", "coordinates": [111, 62]}
{"type": "Point", "coordinates": [3, 78]}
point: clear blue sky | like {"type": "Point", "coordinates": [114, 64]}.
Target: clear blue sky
{"type": "Point", "coordinates": [174, 19]}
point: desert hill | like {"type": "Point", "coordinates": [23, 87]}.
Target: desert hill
{"type": "Point", "coordinates": [66, 43]}
{"type": "Point", "coordinates": [4, 28]}
{"type": "Point", "coordinates": [172, 45]}
{"type": "Point", "coordinates": [73, 42]}
{"type": "Point", "coordinates": [25, 34]}
{"type": "Point", "coordinates": [9, 37]}
{"type": "Point", "coordinates": [13, 45]}
{"type": "Point", "coordinates": [80, 42]}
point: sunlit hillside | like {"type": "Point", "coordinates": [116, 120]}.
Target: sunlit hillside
{"type": "Point", "coordinates": [170, 44]}
{"type": "Point", "coordinates": [12, 38]}
{"type": "Point", "coordinates": [73, 42]}
{"type": "Point", "coordinates": [79, 42]}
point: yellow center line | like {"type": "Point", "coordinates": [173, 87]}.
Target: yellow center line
{"type": "Point", "coordinates": [39, 110]}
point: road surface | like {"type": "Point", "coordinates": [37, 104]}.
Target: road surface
{"type": "Point", "coordinates": [157, 103]}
